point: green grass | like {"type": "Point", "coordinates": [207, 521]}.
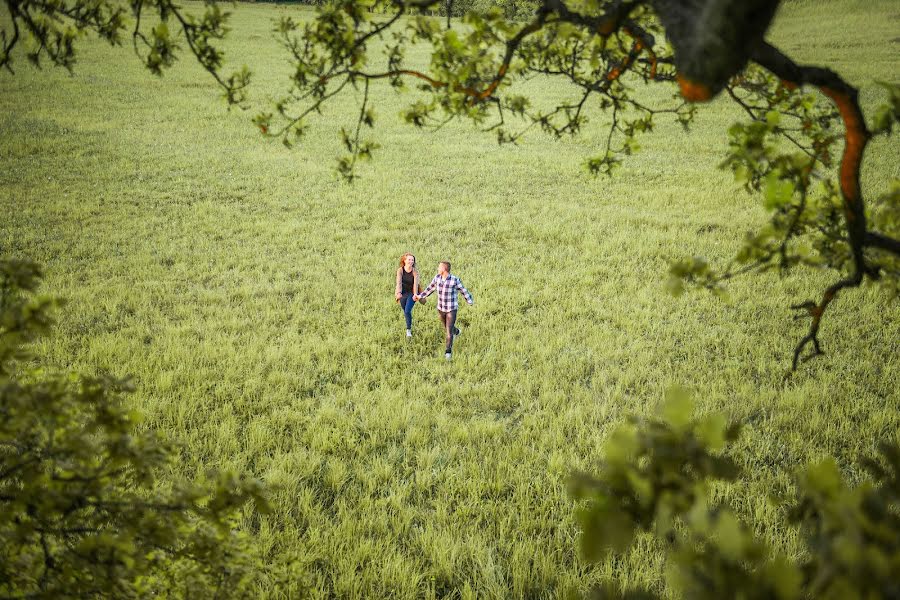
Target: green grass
{"type": "Point", "coordinates": [250, 294]}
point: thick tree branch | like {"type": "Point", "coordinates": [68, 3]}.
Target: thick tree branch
{"type": "Point", "coordinates": [882, 242]}
{"type": "Point", "coordinates": [605, 24]}
{"type": "Point", "coordinates": [856, 135]}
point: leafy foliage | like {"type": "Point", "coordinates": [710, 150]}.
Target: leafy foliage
{"type": "Point", "coordinates": [469, 68]}
{"type": "Point", "coordinates": [602, 50]}
{"type": "Point", "coordinates": [655, 480]}
{"type": "Point", "coordinates": [885, 216]}
{"type": "Point", "coordinates": [781, 152]}
{"type": "Point", "coordinates": [83, 507]}
{"type": "Point", "coordinates": [49, 31]}
{"type": "Point", "coordinates": [785, 152]}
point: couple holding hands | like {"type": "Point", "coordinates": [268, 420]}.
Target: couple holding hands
{"type": "Point", "coordinates": [408, 291]}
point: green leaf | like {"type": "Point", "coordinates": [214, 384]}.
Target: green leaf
{"type": "Point", "coordinates": [887, 114]}
{"type": "Point", "coordinates": [824, 476]}
{"type": "Point", "coordinates": [711, 430]}
{"type": "Point", "coordinates": [730, 536]}
{"type": "Point", "coordinates": [605, 529]}
{"type": "Point", "coordinates": [622, 445]}
{"type": "Point", "coordinates": [883, 120]}
{"type": "Point", "coordinates": [786, 578]}
{"type": "Point", "coordinates": [778, 191]}
{"type": "Point", "coordinates": [677, 408]}
{"type": "Point", "coordinates": [675, 285]}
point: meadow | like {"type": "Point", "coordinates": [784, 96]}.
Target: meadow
{"type": "Point", "coordinates": [249, 292]}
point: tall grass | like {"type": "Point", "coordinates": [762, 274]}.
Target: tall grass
{"type": "Point", "coordinates": [250, 294]}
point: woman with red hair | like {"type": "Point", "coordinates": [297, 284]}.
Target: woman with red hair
{"type": "Point", "coordinates": [407, 287]}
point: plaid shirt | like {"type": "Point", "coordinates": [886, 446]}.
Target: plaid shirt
{"type": "Point", "coordinates": [446, 289]}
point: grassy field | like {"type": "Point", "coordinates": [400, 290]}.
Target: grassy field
{"type": "Point", "coordinates": [250, 294]}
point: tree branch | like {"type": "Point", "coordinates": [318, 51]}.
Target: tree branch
{"type": "Point", "coordinates": [816, 311]}
{"type": "Point", "coordinates": [359, 122]}
{"type": "Point", "coordinates": [5, 60]}
{"type": "Point", "coordinates": [856, 135]}
{"type": "Point", "coordinates": [882, 242]}
{"type": "Point", "coordinates": [605, 24]}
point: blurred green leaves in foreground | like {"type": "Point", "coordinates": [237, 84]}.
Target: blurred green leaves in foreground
{"type": "Point", "coordinates": [655, 480]}
{"type": "Point", "coordinates": [86, 508]}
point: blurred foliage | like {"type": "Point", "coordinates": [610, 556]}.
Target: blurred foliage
{"type": "Point", "coordinates": [85, 509]}
{"type": "Point", "coordinates": [655, 480]}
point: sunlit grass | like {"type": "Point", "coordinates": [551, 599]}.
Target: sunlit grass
{"type": "Point", "coordinates": [250, 294]}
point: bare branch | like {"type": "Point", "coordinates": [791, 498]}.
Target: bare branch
{"type": "Point", "coordinates": [816, 311]}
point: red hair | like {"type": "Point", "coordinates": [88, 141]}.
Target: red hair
{"type": "Point", "coordinates": [403, 259]}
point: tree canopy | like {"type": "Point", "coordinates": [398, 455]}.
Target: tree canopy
{"type": "Point", "coordinates": [606, 50]}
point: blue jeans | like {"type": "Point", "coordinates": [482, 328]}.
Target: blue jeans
{"type": "Point", "coordinates": [407, 303]}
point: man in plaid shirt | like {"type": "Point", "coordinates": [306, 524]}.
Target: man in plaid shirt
{"type": "Point", "coordinates": [447, 285]}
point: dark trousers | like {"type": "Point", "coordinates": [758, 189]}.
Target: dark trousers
{"type": "Point", "coordinates": [448, 320]}
{"type": "Point", "coordinates": [407, 303]}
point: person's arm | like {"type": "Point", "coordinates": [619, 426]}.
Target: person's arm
{"type": "Point", "coordinates": [427, 291]}
{"type": "Point", "coordinates": [399, 287]}
{"type": "Point", "coordinates": [464, 291]}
